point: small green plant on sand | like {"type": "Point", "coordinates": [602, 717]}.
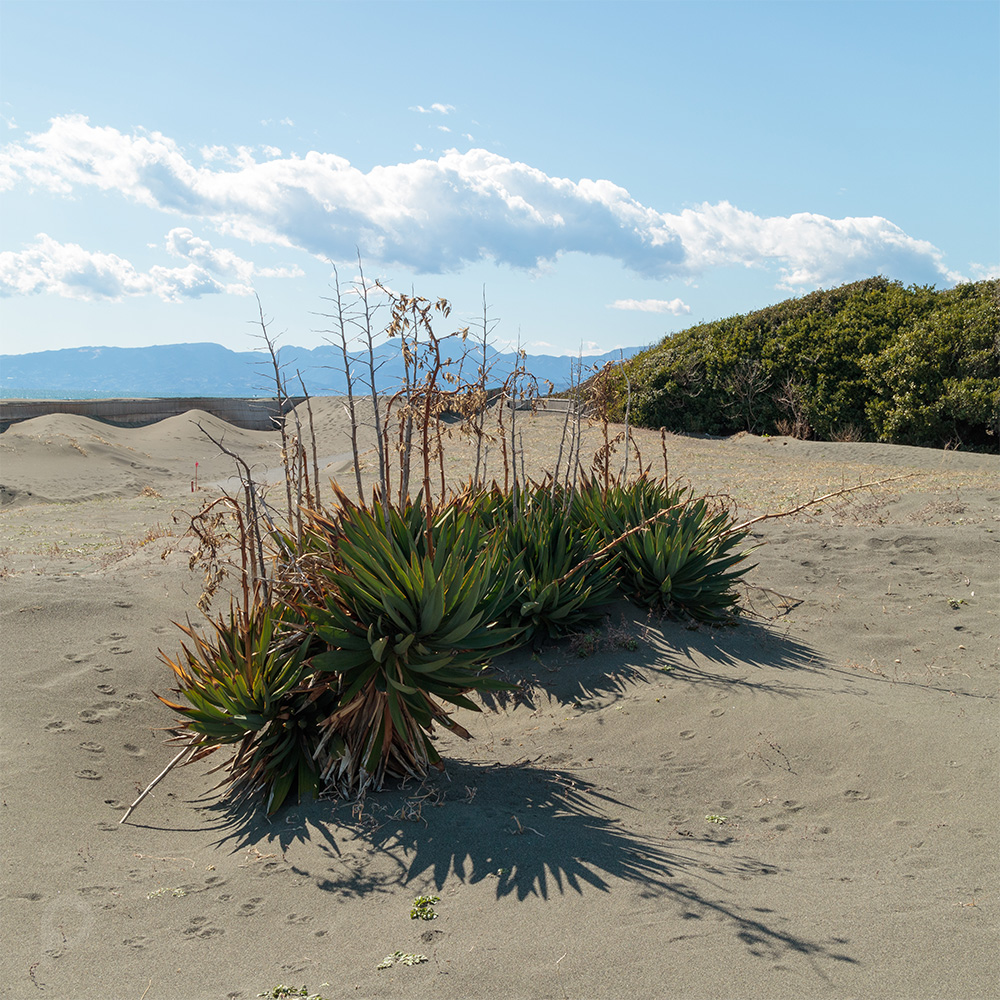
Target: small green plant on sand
{"type": "Point", "coordinates": [165, 891]}
{"type": "Point", "coordinates": [423, 908]}
{"type": "Point", "coordinates": [712, 818]}
{"type": "Point", "coordinates": [400, 958]}
{"type": "Point", "coordinates": [287, 992]}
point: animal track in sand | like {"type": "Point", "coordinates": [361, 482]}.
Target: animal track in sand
{"type": "Point", "coordinates": [137, 943]}
{"type": "Point", "coordinates": [249, 909]}
{"type": "Point", "coordinates": [297, 918]}
{"type": "Point", "coordinates": [716, 712]}
{"type": "Point", "coordinates": [687, 734]}
{"type": "Point", "coordinates": [105, 689]}
{"type": "Point", "coordinates": [855, 796]}
{"type": "Point", "coordinates": [133, 751]}
{"type": "Point", "coordinates": [91, 747]}
{"type": "Point", "coordinates": [58, 726]}
{"type": "Point", "coordinates": [101, 711]}
{"type": "Point", "coordinates": [200, 927]}
{"type": "Point", "coordinates": [88, 775]}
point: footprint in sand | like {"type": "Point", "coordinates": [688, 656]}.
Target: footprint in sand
{"type": "Point", "coordinates": [133, 751]}
{"type": "Point", "coordinates": [249, 909]}
{"type": "Point", "coordinates": [88, 775]}
{"type": "Point", "coordinates": [91, 747]}
{"type": "Point", "coordinates": [716, 712]}
{"type": "Point", "coordinates": [687, 734]}
{"type": "Point", "coordinates": [105, 689]}
{"type": "Point", "coordinates": [855, 796]}
{"type": "Point", "coordinates": [58, 726]}
{"type": "Point", "coordinates": [297, 918]}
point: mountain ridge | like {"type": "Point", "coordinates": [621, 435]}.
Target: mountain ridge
{"type": "Point", "coordinates": [209, 369]}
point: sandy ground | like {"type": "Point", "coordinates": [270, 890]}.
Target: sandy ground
{"type": "Point", "coordinates": [843, 737]}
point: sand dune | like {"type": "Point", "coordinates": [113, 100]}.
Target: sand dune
{"type": "Point", "coordinates": [844, 737]}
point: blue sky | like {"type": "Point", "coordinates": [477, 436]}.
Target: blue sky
{"type": "Point", "coordinates": [610, 172]}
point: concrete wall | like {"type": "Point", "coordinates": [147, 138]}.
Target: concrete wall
{"type": "Point", "coordinates": [253, 414]}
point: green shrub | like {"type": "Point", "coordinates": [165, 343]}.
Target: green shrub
{"type": "Point", "coordinates": [903, 365]}
{"type": "Point", "coordinates": [939, 382]}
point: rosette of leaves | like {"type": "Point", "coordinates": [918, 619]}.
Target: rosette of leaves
{"type": "Point", "coordinates": [410, 616]}
{"type": "Point", "coordinates": [686, 560]}
{"type": "Point", "coordinates": [558, 590]}
{"type": "Point", "coordinates": [245, 686]}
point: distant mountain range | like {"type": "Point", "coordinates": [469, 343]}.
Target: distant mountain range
{"type": "Point", "coordinates": [213, 370]}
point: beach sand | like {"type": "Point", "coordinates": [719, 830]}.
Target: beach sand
{"type": "Point", "coordinates": [844, 737]}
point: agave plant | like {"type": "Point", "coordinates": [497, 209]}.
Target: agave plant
{"type": "Point", "coordinates": [687, 560]}
{"type": "Point", "coordinates": [557, 590]}
{"type": "Point", "coordinates": [244, 687]}
{"type": "Point", "coordinates": [410, 616]}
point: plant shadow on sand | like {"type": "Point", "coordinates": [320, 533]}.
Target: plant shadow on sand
{"type": "Point", "coordinates": [537, 831]}
{"type": "Point", "coordinates": [634, 650]}
{"type": "Point", "coordinates": [530, 831]}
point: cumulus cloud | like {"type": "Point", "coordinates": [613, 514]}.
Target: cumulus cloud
{"type": "Point", "coordinates": [70, 271]}
{"type": "Point", "coordinates": [435, 215]}
{"type": "Point", "coordinates": [675, 306]}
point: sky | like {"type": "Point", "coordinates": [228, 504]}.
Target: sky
{"type": "Point", "coordinates": [603, 174]}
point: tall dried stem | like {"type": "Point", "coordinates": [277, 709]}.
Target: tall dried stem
{"type": "Point", "coordinates": [341, 332]}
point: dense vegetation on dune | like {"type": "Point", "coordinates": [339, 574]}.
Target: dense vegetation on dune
{"type": "Point", "coordinates": [869, 361]}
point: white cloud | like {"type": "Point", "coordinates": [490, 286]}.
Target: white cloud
{"type": "Point", "coordinates": [984, 272]}
{"type": "Point", "coordinates": [675, 306]}
{"type": "Point", "coordinates": [436, 215]}
{"type": "Point", "coordinates": [443, 128]}
{"type": "Point", "coordinates": [441, 109]}
{"type": "Point", "coordinates": [70, 271]}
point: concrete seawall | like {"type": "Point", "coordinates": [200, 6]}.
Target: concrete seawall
{"type": "Point", "coordinates": [253, 414]}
